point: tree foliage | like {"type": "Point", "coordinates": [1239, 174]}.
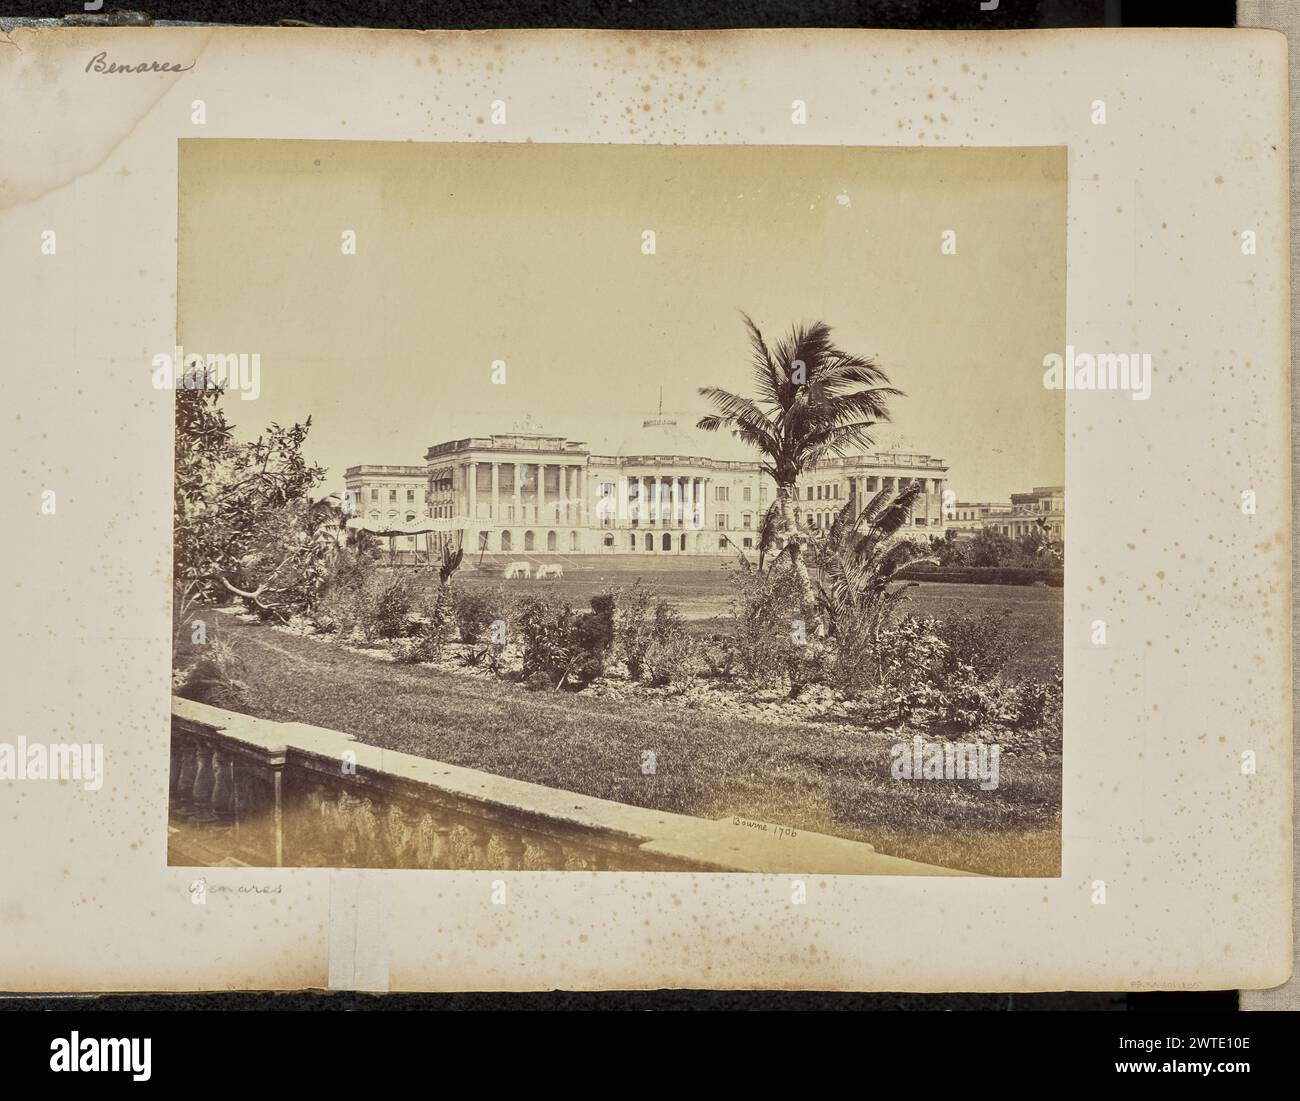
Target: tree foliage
{"type": "Point", "coordinates": [810, 400]}
{"type": "Point", "coordinates": [243, 523]}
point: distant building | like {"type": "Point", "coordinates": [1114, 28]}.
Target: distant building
{"type": "Point", "coordinates": [1015, 518]}
{"type": "Point", "coordinates": [526, 492]}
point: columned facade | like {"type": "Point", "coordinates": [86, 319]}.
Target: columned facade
{"type": "Point", "coordinates": [527, 493]}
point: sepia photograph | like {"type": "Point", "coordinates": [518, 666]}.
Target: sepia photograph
{"type": "Point", "coordinates": [574, 518]}
{"type": "Point", "coordinates": [618, 508]}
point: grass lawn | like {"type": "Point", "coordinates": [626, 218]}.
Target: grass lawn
{"type": "Point", "coordinates": [805, 775]}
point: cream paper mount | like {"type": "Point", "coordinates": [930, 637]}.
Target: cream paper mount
{"type": "Point", "coordinates": [962, 208]}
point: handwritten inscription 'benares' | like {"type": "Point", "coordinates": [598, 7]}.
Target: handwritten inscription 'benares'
{"type": "Point", "coordinates": [100, 64]}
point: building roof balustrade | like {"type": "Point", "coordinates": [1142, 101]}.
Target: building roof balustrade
{"type": "Point", "coordinates": [380, 469]}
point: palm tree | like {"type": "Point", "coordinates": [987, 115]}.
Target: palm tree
{"type": "Point", "coordinates": [811, 400]}
{"type": "Point", "coordinates": [767, 534]}
{"type": "Point", "coordinates": [858, 589]}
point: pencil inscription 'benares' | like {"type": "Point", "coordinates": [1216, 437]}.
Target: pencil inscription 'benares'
{"type": "Point", "coordinates": [100, 64]}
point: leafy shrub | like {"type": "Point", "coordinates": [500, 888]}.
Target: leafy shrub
{"type": "Point", "coordinates": [718, 655]}
{"type": "Point", "coordinates": [337, 610]}
{"type": "Point", "coordinates": [970, 701]}
{"type": "Point", "coordinates": [389, 603]}
{"type": "Point", "coordinates": [476, 609]}
{"type": "Point", "coordinates": [377, 603]}
{"type": "Point", "coordinates": [634, 627]}
{"type": "Point", "coordinates": [671, 656]}
{"type": "Point", "coordinates": [773, 639]}
{"type": "Point", "coordinates": [431, 634]}
{"type": "Point", "coordinates": [653, 639]}
{"type": "Point", "coordinates": [545, 627]}
{"type": "Point", "coordinates": [562, 646]}
{"type": "Point", "coordinates": [982, 641]}
{"type": "Point", "coordinates": [910, 656]}
{"type": "Point", "coordinates": [425, 646]}
{"type": "Point", "coordinates": [767, 607]}
{"type": "Point", "coordinates": [1040, 704]}
{"type": "Point", "coordinates": [594, 630]}
{"type": "Point", "coordinates": [805, 663]}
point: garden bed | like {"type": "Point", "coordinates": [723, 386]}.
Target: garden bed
{"type": "Point", "coordinates": [719, 747]}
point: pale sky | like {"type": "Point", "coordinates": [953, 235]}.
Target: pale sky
{"type": "Point", "coordinates": [532, 254]}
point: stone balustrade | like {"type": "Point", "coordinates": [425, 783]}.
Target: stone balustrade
{"type": "Point", "coordinates": [247, 791]}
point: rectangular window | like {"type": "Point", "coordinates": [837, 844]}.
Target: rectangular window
{"type": "Point", "coordinates": [392, 496]}
{"type": "Point", "coordinates": [819, 493]}
{"type": "Point", "coordinates": [722, 520]}
{"type": "Point", "coordinates": [809, 497]}
{"type": "Point", "coordinates": [410, 495]}
{"type": "Point", "coordinates": [722, 493]}
{"type": "Point", "coordinates": [762, 493]}
{"type": "Point", "coordinates": [749, 544]}
{"type": "Point", "coordinates": [747, 521]}
{"type": "Point", "coordinates": [836, 491]}
{"type": "Point", "coordinates": [747, 493]}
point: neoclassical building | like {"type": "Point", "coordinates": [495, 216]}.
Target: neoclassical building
{"type": "Point", "coordinates": [1017, 518]}
{"type": "Point", "coordinates": [524, 492]}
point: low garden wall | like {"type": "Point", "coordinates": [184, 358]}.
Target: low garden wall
{"type": "Point", "coordinates": [247, 791]}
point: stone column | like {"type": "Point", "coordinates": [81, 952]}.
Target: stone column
{"type": "Point", "coordinates": [581, 477]}
{"type": "Point", "coordinates": [518, 499]}
{"type": "Point", "coordinates": [540, 505]}
{"type": "Point", "coordinates": [653, 483]}
{"type": "Point", "coordinates": [496, 493]}
{"type": "Point", "coordinates": [677, 502]}
{"type": "Point", "coordinates": [471, 475]}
